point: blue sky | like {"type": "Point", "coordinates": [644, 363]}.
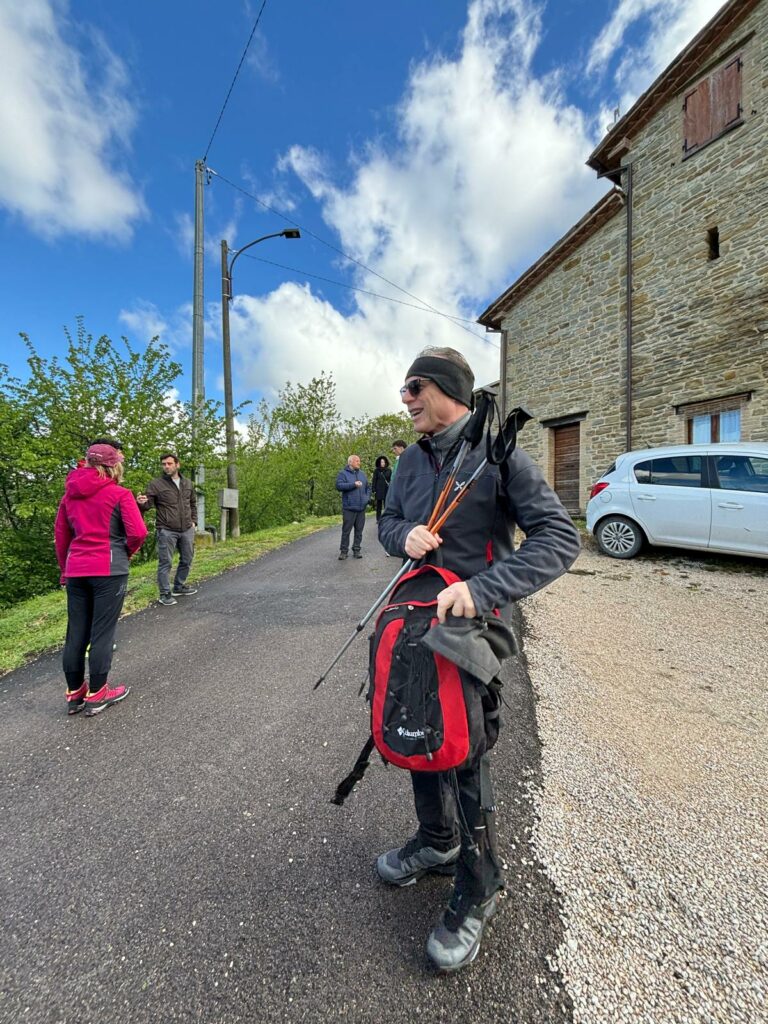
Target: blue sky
{"type": "Point", "coordinates": [439, 143]}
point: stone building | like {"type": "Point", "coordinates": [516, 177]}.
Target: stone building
{"type": "Point", "coordinates": [647, 323]}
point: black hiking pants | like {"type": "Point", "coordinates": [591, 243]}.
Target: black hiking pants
{"type": "Point", "coordinates": [458, 808]}
{"type": "Point", "coordinates": [452, 809]}
{"type": "Point", "coordinates": [94, 604]}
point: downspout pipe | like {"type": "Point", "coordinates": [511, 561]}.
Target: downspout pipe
{"type": "Point", "coordinates": [628, 307]}
{"type": "Point", "coordinates": [627, 189]}
{"type": "Point", "coordinates": [503, 375]}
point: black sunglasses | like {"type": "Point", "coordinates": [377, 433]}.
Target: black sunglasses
{"type": "Point", "coordinates": [415, 387]}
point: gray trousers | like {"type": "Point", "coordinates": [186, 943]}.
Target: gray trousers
{"type": "Point", "coordinates": [352, 518]}
{"type": "Point", "coordinates": [167, 542]}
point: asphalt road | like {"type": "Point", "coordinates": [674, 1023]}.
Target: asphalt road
{"type": "Point", "coordinates": [177, 857]}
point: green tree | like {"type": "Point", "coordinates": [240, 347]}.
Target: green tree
{"type": "Point", "coordinates": [283, 457]}
{"type": "Point", "coordinates": [47, 421]}
{"type": "Point", "coordinates": [294, 450]}
{"type": "Point", "coordinates": [371, 437]}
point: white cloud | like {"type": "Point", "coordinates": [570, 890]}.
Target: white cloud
{"type": "Point", "coordinates": [61, 126]}
{"type": "Point", "coordinates": [145, 321]}
{"type": "Point", "coordinates": [671, 26]}
{"type": "Point", "coordinates": [487, 170]}
{"type": "Point", "coordinates": [261, 60]}
{"type": "Point", "coordinates": [183, 234]}
{"type": "Point", "coordinates": [293, 335]}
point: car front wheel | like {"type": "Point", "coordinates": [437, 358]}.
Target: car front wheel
{"type": "Point", "coordinates": [619, 537]}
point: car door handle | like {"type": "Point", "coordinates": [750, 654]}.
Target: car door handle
{"type": "Point", "coordinates": [646, 497]}
{"type": "Point", "coordinates": [729, 504]}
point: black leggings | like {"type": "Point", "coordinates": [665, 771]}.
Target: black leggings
{"type": "Point", "coordinates": [94, 604]}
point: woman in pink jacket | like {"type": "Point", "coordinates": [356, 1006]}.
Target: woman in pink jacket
{"type": "Point", "coordinates": [98, 529]}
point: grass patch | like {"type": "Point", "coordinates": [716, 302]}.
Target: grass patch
{"type": "Point", "coordinates": [40, 624]}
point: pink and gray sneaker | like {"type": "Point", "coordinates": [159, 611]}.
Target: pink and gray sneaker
{"type": "Point", "coordinates": [103, 698]}
{"type": "Point", "coordinates": [76, 699]}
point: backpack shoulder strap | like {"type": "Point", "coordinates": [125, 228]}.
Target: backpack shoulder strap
{"type": "Point", "coordinates": [346, 786]}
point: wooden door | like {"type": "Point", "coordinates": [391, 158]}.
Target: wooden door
{"type": "Point", "coordinates": [567, 465]}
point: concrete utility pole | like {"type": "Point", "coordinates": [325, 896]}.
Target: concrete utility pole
{"type": "Point", "coordinates": [233, 513]}
{"type": "Point", "coordinates": [230, 498]}
{"type": "Point", "coordinates": [198, 323]}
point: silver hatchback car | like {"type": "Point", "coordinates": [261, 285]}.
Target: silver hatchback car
{"type": "Point", "coordinates": [712, 497]}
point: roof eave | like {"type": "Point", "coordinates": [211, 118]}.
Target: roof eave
{"type": "Point", "coordinates": [606, 208]}
{"type": "Point", "coordinates": [606, 158]}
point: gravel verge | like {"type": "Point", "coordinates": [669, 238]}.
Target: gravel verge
{"type": "Point", "coordinates": [651, 684]}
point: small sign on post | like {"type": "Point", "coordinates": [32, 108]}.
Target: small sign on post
{"type": "Point", "coordinates": [228, 498]}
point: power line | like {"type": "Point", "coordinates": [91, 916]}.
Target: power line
{"type": "Point", "coordinates": [226, 101]}
{"type": "Point", "coordinates": [364, 291]}
{"type": "Point", "coordinates": [424, 304]}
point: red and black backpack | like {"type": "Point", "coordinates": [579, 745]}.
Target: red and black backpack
{"type": "Point", "coordinates": [427, 714]}
{"type": "Point", "coordinates": [418, 710]}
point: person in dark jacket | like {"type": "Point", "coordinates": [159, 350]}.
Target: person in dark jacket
{"type": "Point", "coordinates": [98, 529]}
{"type": "Point", "coordinates": [174, 498]}
{"type": "Point", "coordinates": [380, 483]}
{"type": "Point", "coordinates": [355, 493]}
{"type": "Point", "coordinates": [456, 830]}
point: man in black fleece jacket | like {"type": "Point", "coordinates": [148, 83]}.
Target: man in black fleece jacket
{"type": "Point", "coordinates": [174, 498]}
{"type": "Point", "coordinates": [477, 543]}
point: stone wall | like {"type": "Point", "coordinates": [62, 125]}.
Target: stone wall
{"type": "Point", "coordinates": [700, 325]}
{"type": "Point", "coordinates": [565, 352]}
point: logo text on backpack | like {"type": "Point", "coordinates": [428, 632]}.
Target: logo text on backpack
{"type": "Point", "coordinates": [411, 734]}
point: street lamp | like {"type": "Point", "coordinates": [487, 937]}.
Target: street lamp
{"type": "Point", "coordinates": [226, 298]}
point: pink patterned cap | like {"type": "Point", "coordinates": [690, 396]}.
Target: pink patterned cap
{"type": "Point", "coordinates": [103, 455]}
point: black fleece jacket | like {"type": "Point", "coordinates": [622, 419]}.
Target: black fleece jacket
{"type": "Point", "coordinates": [176, 506]}
{"type": "Point", "coordinates": [478, 539]}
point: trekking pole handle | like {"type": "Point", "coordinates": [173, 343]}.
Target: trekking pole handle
{"type": "Point", "coordinates": [460, 496]}
{"type": "Point", "coordinates": [448, 486]}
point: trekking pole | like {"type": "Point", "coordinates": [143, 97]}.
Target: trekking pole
{"type": "Point", "coordinates": [497, 451]}
{"type": "Point", "coordinates": [471, 436]}
{"type": "Point", "coordinates": [406, 567]}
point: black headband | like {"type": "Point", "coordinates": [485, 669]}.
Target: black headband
{"type": "Point", "coordinates": [452, 379]}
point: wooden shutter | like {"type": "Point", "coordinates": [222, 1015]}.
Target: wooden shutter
{"type": "Point", "coordinates": [567, 465]}
{"type": "Point", "coordinates": [713, 105]}
{"type": "Point", "coordinates": [697, 123]}
{"type": "Point", "coordinates": [726, 96]}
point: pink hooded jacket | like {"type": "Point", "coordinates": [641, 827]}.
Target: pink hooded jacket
{"type": "Point", "coordinates": [98, 526]}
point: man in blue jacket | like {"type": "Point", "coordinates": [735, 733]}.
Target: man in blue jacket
{"type": "Point", "coordinates": [355, 493]}
{"type": "Point", "coordinates": [456, 830]}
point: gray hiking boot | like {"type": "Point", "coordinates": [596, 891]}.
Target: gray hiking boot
{"type": "Point", "coordinates": [455, 941]}
{"type": "Point", "coordinates": [407, 865]}
{"type": "Point", "coordinates": [184, 590]}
